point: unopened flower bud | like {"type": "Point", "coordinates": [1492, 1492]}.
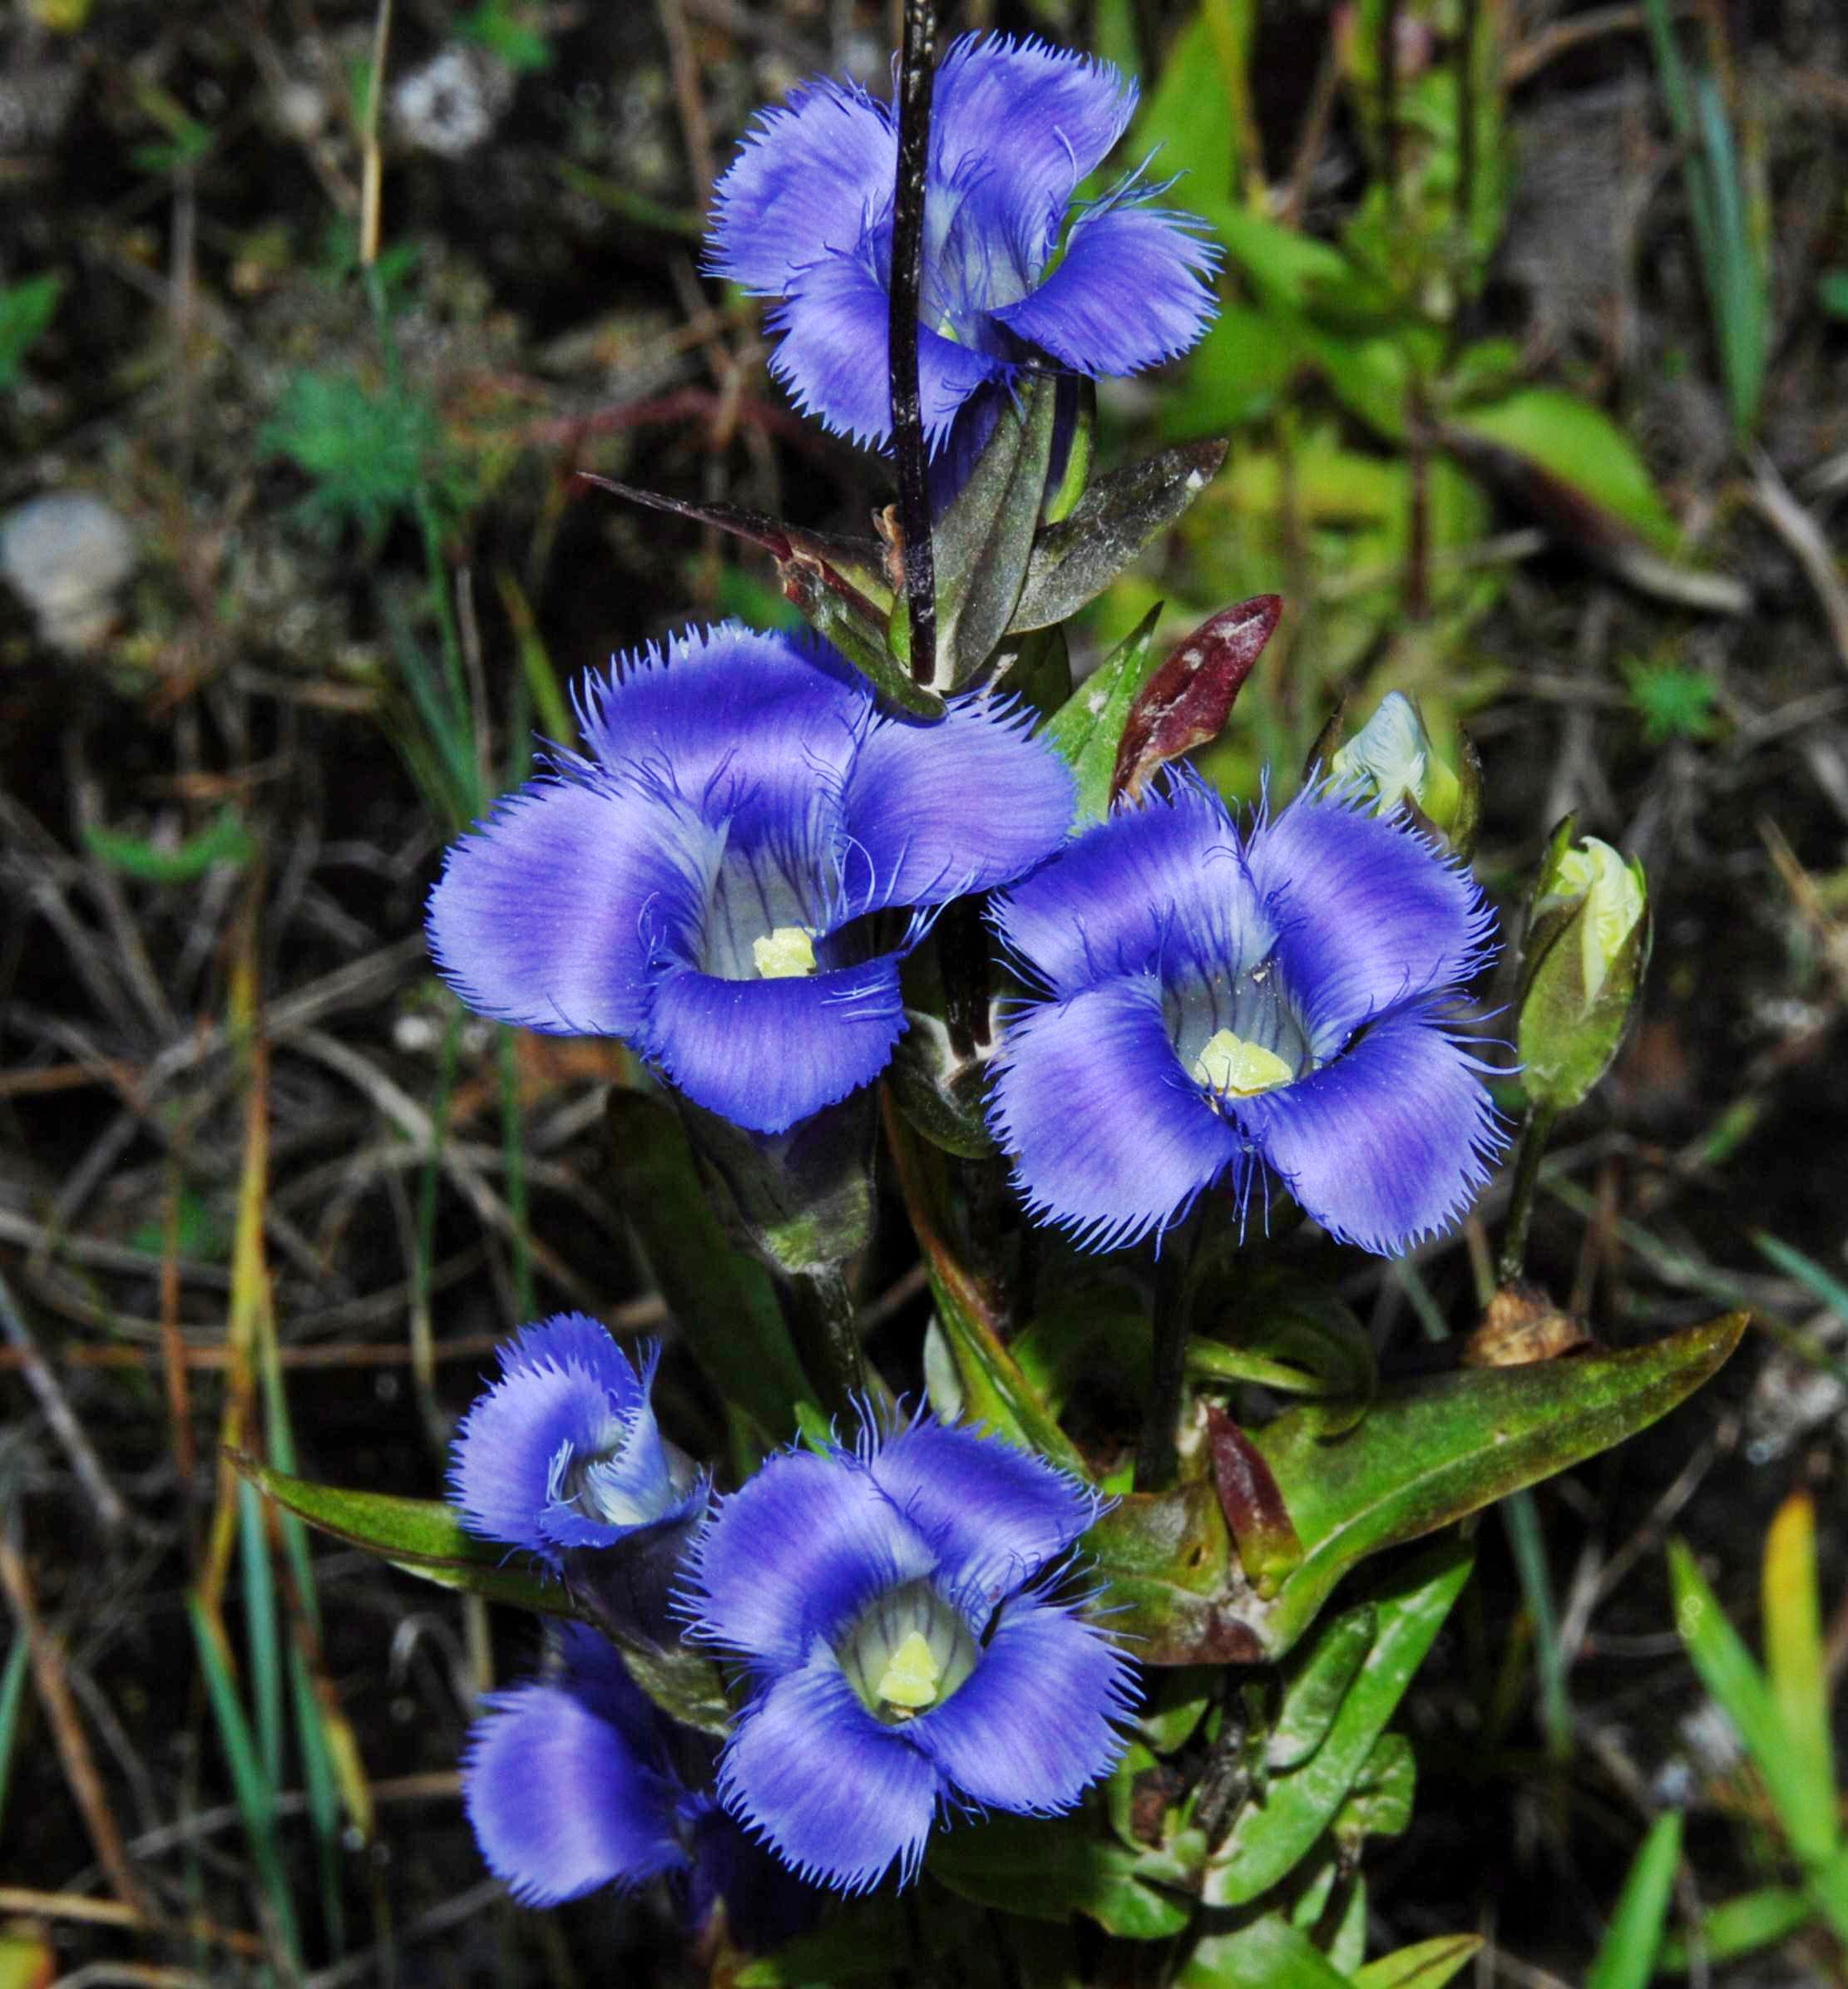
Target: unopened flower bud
{"type": "Point", "coordinates": [1391, 760]}
{"type": "Point", "coordinates": [1588, 941]}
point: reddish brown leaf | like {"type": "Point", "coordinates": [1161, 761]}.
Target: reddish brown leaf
{"type": "Point", "coordinates": [1261, 1526]}
{"type": "Point", "coordinates": [1188, 699]}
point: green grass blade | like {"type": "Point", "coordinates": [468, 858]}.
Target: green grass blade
{"type": "Point", "coordinates": [12, 1699]}
{"type": "Point", "coordinates": [259, 1629]}
{"type": "Point", "coordinates": [1627, 1958]}
{"type": "Point", "coordinates": [1740, 1926]}
{"type": "Point", "coordinates": [1795, 1661]}
{"type": "Point", "coordinates": [256, 1795]}
{"type": "Point", "coordinates": [1727, 1671]}
{"type": "Point", "coordinates": [323, 1791]}
{"type": "Point", "coordinates": [1521, 1518]}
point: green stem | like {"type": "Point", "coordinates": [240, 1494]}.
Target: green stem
{"type": "Point", "coordinates": [821, 1316]}
{"type": "Point", "coordinates": [1534, 1135]}
{"type": "Point", "coordinates": [1157, 1459]}
{"type": "Point", "coordinates": [1213, 1360]}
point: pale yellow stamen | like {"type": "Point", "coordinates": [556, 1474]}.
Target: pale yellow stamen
{"type": "Point", "coordinates": [1236, 1069]}
{"type": "Point", "coordinates": [911, 1675]}
{"type": "Point", "coordinates": [785, 953]}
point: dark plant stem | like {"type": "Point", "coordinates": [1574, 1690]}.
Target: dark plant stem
{"type": "Point", "coordinates": [1225, 1781]}
{"type": "Point", "coordinates": [1534, 1134]}
{"type": "Point", "coordinates": [1157, 1459]}
{"type": "Point", "coordinates": [963, 961]}
{"type": "Point", "coordinates": [985, 1195]}
{"type": "Point", "coordinates": [916, 71]}
{"type": "Point", "coordinates": [822, 1313]}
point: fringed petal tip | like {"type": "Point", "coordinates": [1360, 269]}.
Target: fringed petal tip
{"type": "Point", "coordinates": [1387, 1146]}
{"type": "Point", "coordinates": [1110, 1139]}
{"type": "Point", "coordinates": [840, 1799]}
{"type": "Point", "coordinates": [547, 914]}
{"type": "Point", "coordinates": [561, 1802]}
{"type": "Point", "coordinates": [1040, 1718]}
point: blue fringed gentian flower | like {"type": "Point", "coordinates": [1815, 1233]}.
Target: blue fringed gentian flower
{"type": "Point", "coordinates": [576, 1781]}
{"type": "Point", "coordinates": [805, 215]}
{"type": "Point", "coordinates": [563, 1451]}
{"type": "Point", "coordinates": [893, 1605]}
{"type": "Point", "coordinates": [699, 883]}
{"type": "Point", "coordinates": [1218, 1005]}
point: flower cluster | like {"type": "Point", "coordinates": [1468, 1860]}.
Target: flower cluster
{"type": "Point", "coordinates": [895, 1605]}
{"type": "Point", "coordinates": [1216, 1006]}
{"type": "Point", "coordinates": [805, 215]}
{"type": "Point", "coordinates": [703, 881]}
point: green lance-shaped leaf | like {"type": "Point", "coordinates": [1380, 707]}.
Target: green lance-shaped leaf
{"type": "Point", "coordinates": [1571, 464]}
{"type": "Point", "coordinates": [833, 607]}
{"type": "Point", "coordinates": [426, 1538]}
{"type": "Point", "coordinates": [1626, 1958]}
{"type": "Point", "coordinates": [982, 542]}
{"type": "Point", "coordinates": [1379, 1804]}
{"type": "Point", "coordinates": [1265, 1955]}
{"type": "Point", "coordinates": [1272, 1835]}
{"type": "Point", "coordinates": [723, 1303]}
{"type": "Point", "coordinates": [1582, 964]}
{"type": "Point", "coordinates": [1424, 1965]}
{"type": "Point", "coordinates": [1086, 728]}
{"type": "Point", "coordinates": [1051, 1868]}
{"type": "Point", "coordinates": [1073, 561]}
{"type": "Point", "coordinates": [1319, 1686]}
{"type": "Point", "coordinates": [1436, 1448]}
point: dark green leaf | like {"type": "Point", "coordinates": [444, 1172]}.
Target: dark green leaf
{"type": "Point", "coordinates": [1268, 1954]}
{"type": "Point", "coordinates": [984, 539]}
{"type": "Point", "coordinates": [1319, 1684]}
{"type": "Point", "coordinates": [1272, 1835]}
{"type": "Point", "coordinates": [1436, 1448]}
{"type": "Point", "coordinates": [1072, 562]}
{"type": "Point", "coordinates": [1050, 1867]}
{"type": "Point", "coordinates": [721, 1301]}
{"type": "Point", "coordinates": [859, 1938]}
{"type": "Point", "coordinates": [27, 309]}
{"type": "Point", "coordinates": [1379, 1804]}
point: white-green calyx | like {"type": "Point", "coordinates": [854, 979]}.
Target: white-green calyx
{"type": "Point", "coordinates": [909, 1651]}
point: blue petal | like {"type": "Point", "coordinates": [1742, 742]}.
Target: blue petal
{"type": "Point", "coordinates": [996, 1514]}
{"type": "Point", "coordinates": [552, 915]}
{"type": "Point", "coordinates": [795, 1554]}
{"type": "Point", "coordinates": [1371, 916]}
{"type": "Point", "coordinates": [835, 1794]}
{"type": "Point", "coordinates": [748, 728]}
{"type": "Point", "coordinates": [566, 1391]}
{"type": "Point", "coordinates": [832, 353]}
{"type": "Point", "coordinates": [1039, 118]}
{"type": "Point", "coordinates": [1388, 1144]}
{"type": "Point", "coordinates": [809, 178]}
{"type": "Point", "coordinates": [561, 1801]}
{"type": "Point", "coordinates": [933, 810]}
{"type": "Point", "coordinates": [1030, 1729]}
{"type": "Point", "coordinates": [765, 1054]}
{"type": "Point", "coordinates": [1128, 293]}
{"type": "Point", "coordinates": [1110, 1138]}
{"type": "Point", "coordinates": [1161, 884]}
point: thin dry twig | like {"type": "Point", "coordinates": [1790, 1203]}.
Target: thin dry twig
{"type": "Point", "coordinates": [60, 1415]}
{"type": "Point", "coordinates": [67, 1734]}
